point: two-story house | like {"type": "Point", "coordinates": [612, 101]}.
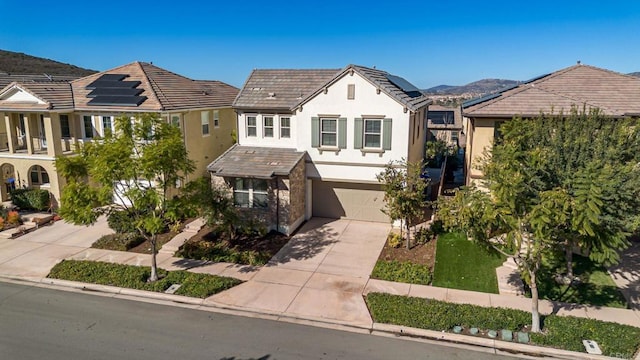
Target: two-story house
{"type": "Point", "coordinates": [582, 86]}
{"type": "Point", "coordinates": [40, 120]}
{"type": "Point", "coordinates": [311, 142]}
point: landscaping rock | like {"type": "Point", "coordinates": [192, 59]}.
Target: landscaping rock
{"type": "Point", "coordinates": [523, 337]}
{"type": "Point", "coordinates": [457, 329]}
{"type": "Point", "coordinates": [473, 331]}
{"type": "Point", "coordinates": [492, 334]}
{"type": "Point", "coordinates": [507, 335]}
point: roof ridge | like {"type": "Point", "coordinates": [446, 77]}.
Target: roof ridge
{"type": "Point", "coordinates": [152, 85]}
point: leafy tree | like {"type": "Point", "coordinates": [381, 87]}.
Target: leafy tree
{"type": "Point", "coordinates": [145, 158]}
{"type": "Point", "coordinates": [403, 193]}
{"type": "Point", "coordinates": [214, 204]}
{"type": "Point", "coordinates": [556, 181]}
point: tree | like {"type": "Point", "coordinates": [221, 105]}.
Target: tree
{"type": "Point", "coordinates": [554, 182]}
{"type": "Point", "coordinates": [214, 204]}
{"type": "Point", "coordinates": [140, 165]}
{"type": "Point", "coordinates": [403, 193]}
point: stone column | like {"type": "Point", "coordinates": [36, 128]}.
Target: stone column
{"type": "Point", "coordinates": [53, 134]}
{"type": "Point", "coordinates": [11, 133]}
{"type": "Point", "coordinates": [27, 133]}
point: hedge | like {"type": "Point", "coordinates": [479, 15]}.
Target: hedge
{"type": "Point", "coordinates": [31, 199]}
{"type": "Point", "coordinates": [135, 277]}
{"type": "Point", "coordinates": [563, 332]}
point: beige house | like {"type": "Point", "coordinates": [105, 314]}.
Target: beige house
{"type": "Point", "coordinates": [42, 119]}
{"type": "Point", "coordinates": [617, 95]}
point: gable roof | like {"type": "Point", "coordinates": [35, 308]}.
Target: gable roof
{"type": "Point", "coordinates": [255, 162]}
{"type": "Point", "coordinates": [56, 95]}
{"type": "Point", "coordinates": [579, 85]}
{"type": "Point", "coordinates": [162, 90]}
{"type": "Point", "coordinates": [280, 88]}
{"type": "Point", "coordinates": [412, 100]}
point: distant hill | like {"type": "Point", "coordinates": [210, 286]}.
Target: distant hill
{"type": "Point", "coordinates": [480, 87]}
{"type": "Point", "coordinates": [636, 74]}
{"type": "Point", "coordinates": [18, 64]}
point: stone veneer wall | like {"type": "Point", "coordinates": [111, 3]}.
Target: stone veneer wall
{"type": "Point", "coordinates": [296, 195]}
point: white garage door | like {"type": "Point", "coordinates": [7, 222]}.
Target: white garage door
{"type": "Point", "coordinates": [348, 200]}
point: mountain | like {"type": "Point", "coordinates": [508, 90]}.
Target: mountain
{"type": "Point", "coordinates": [18, 63]}
{"type": "Point", "coordinates": [480, 87]}
{"type": "Point", "coordinates": [636, 74]}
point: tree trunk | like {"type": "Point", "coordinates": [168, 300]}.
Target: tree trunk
{"type": "Point", "coordinates": [535, 314]}
{"type": "Point", "coordinates": [408, 236]}
{"type": "Point", "coordinates": [569, 257]}
{"type": "Point", "coordinates": [154, 267]}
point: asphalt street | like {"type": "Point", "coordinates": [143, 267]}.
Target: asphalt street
{"type": "Point", "coordinates": [39, 323]}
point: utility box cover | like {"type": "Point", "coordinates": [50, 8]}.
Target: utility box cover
{"type": "Point", "coordinates": [592, 347]}
{"type": "Point", "coordinates": [172, 289]}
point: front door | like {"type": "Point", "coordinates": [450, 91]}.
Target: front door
{"type": "Point", "coordinates": [43, 138]}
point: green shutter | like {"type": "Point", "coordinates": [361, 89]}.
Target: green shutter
{"type": "Point", "coordinates": [357, 133]}
{"type": "Point", "coordinates": [342, 133]}
{"type": "Point", "coordinates": [386, 134]}
{"type": "Point", "coordinates": [315, 132]}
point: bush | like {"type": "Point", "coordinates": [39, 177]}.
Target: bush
{"type": "Point", "coordinates": [135, 277]}
{"type": "Point", "coordinates": [120, 222]}
{"type": "Point", "coordinates": [558, 331]}
{"type": "Point", "coordinates": [118, 242]}
{"type": "Point", "coordinates": [394, 240]}
{"type": "Point", "coordinates": [31, 199]}
{"type": "Point", "coordinates": [13, 218]}
{"type": "Point", "coordinates": [221, 252]}
{"type": "Point", "coordinates": [424, 235]}
{"type": "Point", "coordinates": [406, 272]}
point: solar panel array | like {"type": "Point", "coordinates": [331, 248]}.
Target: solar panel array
{"type": "Point", "coordinates": [404, 85]}
{"type": "Point", "coordinates": [113, 90]}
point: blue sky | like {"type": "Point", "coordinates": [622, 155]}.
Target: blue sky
{"type": "Point", "coordinates": [429, 43]}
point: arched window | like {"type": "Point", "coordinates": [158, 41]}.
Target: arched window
{"type": "Point", "coordinates": [38, 175]}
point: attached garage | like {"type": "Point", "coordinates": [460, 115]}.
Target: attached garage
{"type": "Point", "coordinates": [348, 200]}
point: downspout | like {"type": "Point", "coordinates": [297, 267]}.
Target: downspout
{"type": "Point", "coordinates": [277, 206]}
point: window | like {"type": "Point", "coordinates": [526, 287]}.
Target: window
{"type": "Point", "coordinates": [204, 119]}
{"type": "Point", "coordinates": [328, 132]}
{"type": "Point", "coordinates": [250, 193]}
{"type": "Point", "coordinates": [285, 127]}
{"type": "Point", "coordinates": [38, 175]}
{"type": "Point", "coordinates": [216, 118]}
{"type": "Point", "coordinates": [65, 130]}
{"type": "Point", "coordinates": [87, 123]}
{"type": "Point", "coordinates": [268, 126]}
{"type": "Point", "coordinates": [252, 126]}
{"type": "Point", "coordinates": [107, 125]}
{"type": "Point", "coordinates": [351, 91]}
{"type": "Point", "coordinates": [175, 120]}
{"type": "Point", "coordinates": [21, 128]}
{"type": "Point", "coordinates": [441, 117]}
{"type": "Point", "coordinates": [372, 133]}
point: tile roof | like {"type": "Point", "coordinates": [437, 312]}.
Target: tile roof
{"type": "Point", "coordinates": [255, 162]}
{"type": "Point", "coordinates": [164, 90]}
{"type": "Point", "coordinates": [56, 94]}
{"type": "Point", "coordinates": [579, 85]}
{"type": "Point", "coordinates": [457, 118]}
{"type": "Point", "coordinates": [287, 87]}
{"type": "Point", "coordinates": [6, 79]}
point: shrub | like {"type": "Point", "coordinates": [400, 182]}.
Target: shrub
{"type": "Point", "coordinates": [558, 331]}
{"type": "Point", "coordinates": [424, 235]}
{"type": "Point", "coordinates": [120, 222]}
{"type": "Point", "coordinates": [394, 240]}
{"type": "Point", "coordinates": [1, 223]}
{"type": "Point", "coordinates": [13, 218]}
{"type": "Point", "coordinates": [135, 277]}
{"type": "Point", "coordinates": [118, 242]}
{"type": "Point", "coordinates": [221, 252]}
{"type": "Point", "coordinates": [31, 199]}
{"type": "Point", "coordinates": [406, 272]}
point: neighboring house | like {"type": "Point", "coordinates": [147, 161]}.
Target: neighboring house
{"type": "Point", "coordinates": [615, 94]}
{"type": "Point", "coordinates": [40, 120]}
{"type": "Point", "coordinates": [445, 123]}
{"type": "Point", "coordinates": [311, 142]}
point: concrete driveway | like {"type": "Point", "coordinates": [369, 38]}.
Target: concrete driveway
{"type": "Point", "coordinates": [321, 273]}
{"type": "Point", "coordinates": [34, 254]}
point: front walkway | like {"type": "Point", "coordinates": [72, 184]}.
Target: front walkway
{"type": "Point", "coordinates": [320, 274]}
{"type": "Point", "coordinates": [626, 274]}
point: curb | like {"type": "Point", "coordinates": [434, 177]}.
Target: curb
{"type": "Point", "coordinates": [378, 329]}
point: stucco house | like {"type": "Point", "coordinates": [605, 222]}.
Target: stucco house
{"type": "Point", "coordinates": [616, 95]}
{"type": "Point", "coordinates": [311, 142]}
{"type": "Point", "coordinates": [42, 119]}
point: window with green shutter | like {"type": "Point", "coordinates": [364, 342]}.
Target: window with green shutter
{"type": "Point", "coordinates": [386, 134]}
{"type": "Point", "coordinates": [315, 132]}
{"type": "Point", "coordinates": [357, 133]}
{"type": "Point", "coordinates": [342, 133]}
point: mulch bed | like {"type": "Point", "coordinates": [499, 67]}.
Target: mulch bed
{"type": "Point", "coordinates": [270, 243]}
{"type": "Point", "coordinates": [145, 247]}
{"type": "Point", "coordinates": [418, 254]}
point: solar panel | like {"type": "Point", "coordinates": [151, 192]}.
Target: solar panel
{"type": "Point", "coordinates": [114, 92]}
{"type": "Point", "coordinates": [402, 84]}
{"type": "Point", "coordinates": [112, 84]}
{"type": "Point", "coordinates": [480, 99]}
{"type": "Point", "coordinates": [117, 100]}
{"type": "Point", "coordinates": [112, 77]}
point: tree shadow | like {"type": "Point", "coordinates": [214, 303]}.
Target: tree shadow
{"type": "Point", "coordinates": [310, 240]}
{"type": "Point", "coordinates": [627, 274]}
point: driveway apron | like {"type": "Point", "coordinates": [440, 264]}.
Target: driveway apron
{"type": "Point", "coordinates": [320, 274]}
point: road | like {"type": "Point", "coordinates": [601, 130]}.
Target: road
{"type": "Point", "coordinates": [38, 323]}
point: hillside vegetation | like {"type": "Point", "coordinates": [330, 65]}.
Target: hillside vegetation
{"type": "Point", "coordinates": [18, 63]}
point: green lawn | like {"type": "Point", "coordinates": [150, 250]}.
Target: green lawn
{"type": "Point", "coordinates": [461, 264]}
{"type": "Point", "coordinates": [597, 287]}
